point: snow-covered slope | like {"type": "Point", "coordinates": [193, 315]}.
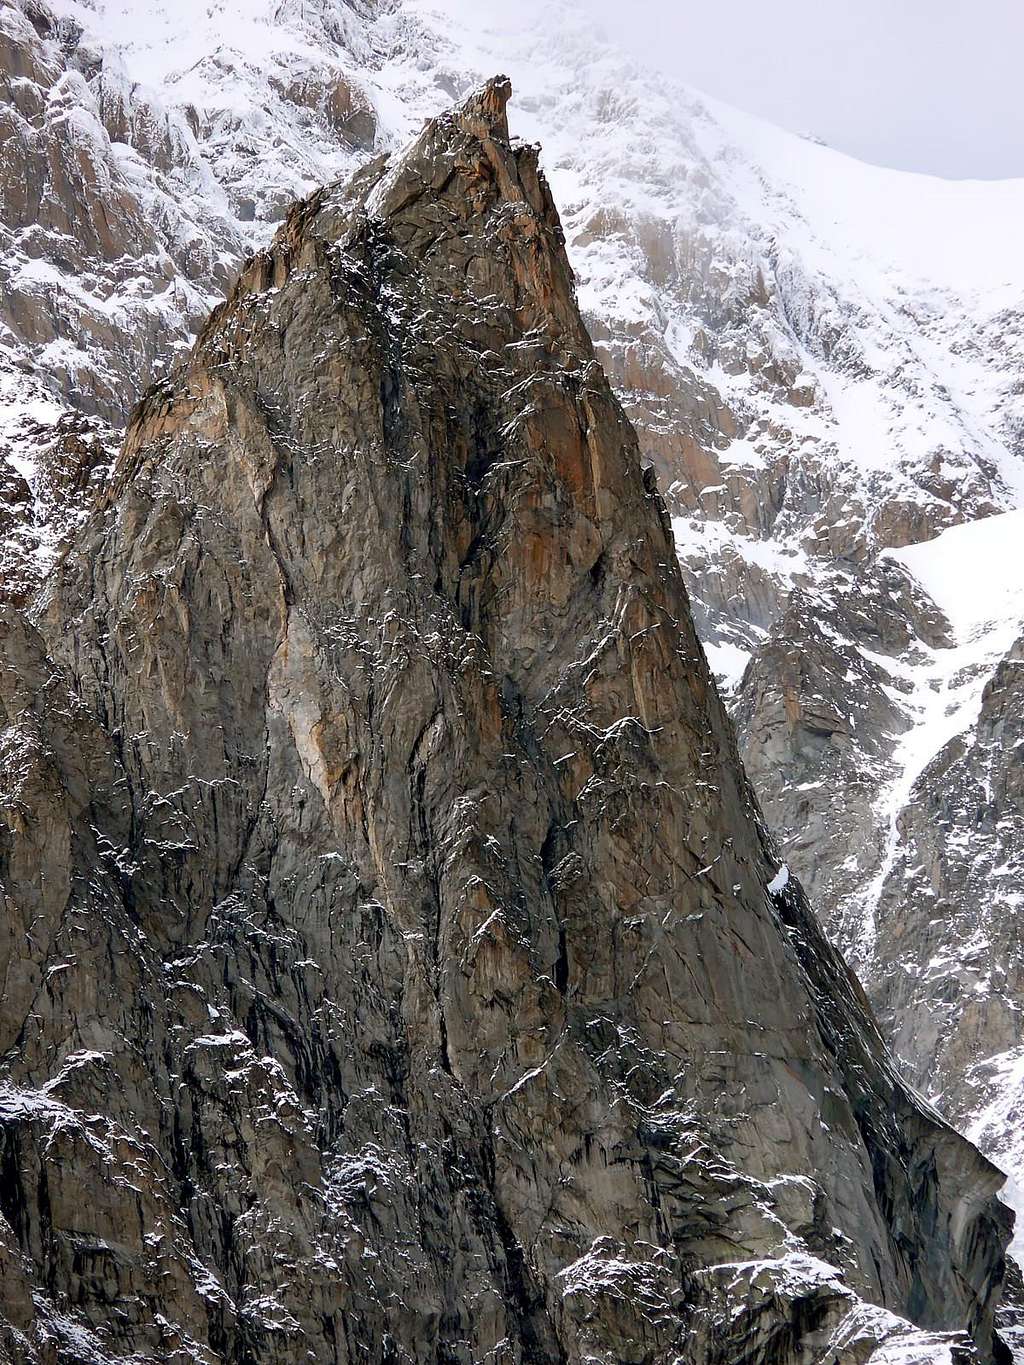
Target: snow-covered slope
{"type": "Point", "coordinates": [822, 359]}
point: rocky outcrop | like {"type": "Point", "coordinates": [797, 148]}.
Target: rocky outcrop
{"type": "Point", "coordinates": [53, 461]}
{"type": "Point", "coordinates": [804, 414]}
{"type": "Point", "coordinates": [126, 207]}
{"type": "Point", "coordinates": [944, 967]}
{"type": "Point", "coordinates": [128, 199]}
{"type": "Point", "coordinates": [398, 966]}
{"type": "Point", "coordinates": [954, 893]}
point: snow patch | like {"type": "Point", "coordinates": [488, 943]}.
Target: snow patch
{"type": "Point", "coordinates": [780, 881]}
{"type": "Point", "coordinates": [974, 573]}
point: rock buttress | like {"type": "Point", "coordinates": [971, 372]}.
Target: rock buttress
{"type": "Point", "coordinates": [406, 985]}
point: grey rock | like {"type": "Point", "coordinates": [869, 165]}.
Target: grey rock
{"type": "Point", "coordinates": [392, 965]}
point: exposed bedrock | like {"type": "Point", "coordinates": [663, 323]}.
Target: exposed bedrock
{"type": "Point", "coordinates": [397, 967]}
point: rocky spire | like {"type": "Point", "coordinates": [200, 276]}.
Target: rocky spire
{"type": "Point", "coordinates": [397, 966]}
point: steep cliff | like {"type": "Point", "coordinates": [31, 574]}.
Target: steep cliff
{"type": "Point", "coordinates": [396, 964]}
{"type": "Point", "coordinates": [817, 374]}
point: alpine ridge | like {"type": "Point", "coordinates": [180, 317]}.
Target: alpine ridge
{"type": "Point", "coordinates": [397, 965]}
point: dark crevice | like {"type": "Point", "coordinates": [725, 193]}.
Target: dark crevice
{"type": "Point", "coordinates": [562, 963]}
{"type": "Point", "coordinates": [524, 1297]}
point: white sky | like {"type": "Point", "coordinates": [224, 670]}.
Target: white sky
{"type": "Point", "coordinates": [925, 85]}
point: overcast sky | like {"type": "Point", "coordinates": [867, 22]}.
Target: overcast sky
{"type": "Point", "coordinates": [926, 85]}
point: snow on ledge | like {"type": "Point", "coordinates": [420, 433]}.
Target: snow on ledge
{"type": "Point", "coordinates": [780, 881]}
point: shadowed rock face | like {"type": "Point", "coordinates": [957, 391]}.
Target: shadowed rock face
{"type": "Point", "coordinates": [391, 967]}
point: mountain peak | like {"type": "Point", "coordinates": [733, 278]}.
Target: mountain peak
{"type": "Point", "coordinates": [487, 107]}
{"type": "Point", "coordinates": [405, 909]}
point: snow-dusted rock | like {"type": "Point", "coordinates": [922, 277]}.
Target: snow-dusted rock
{"type": "Point", "coordinates": [399, 966]}
{"type": "Point", "coordinates": [818, 375]}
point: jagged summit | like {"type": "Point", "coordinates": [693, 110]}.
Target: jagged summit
{"type": "Point", "coordinates": [489, 105]}
{"type": "Point", "coordinates": [397, 966]}
{"type": "Point", "coordinates": [819, 375]}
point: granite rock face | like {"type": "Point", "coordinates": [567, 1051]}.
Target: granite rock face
{"type": "Point", "coordinates": [397, 966]}
{"type": "Point", "coordinates": [813, 390]}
